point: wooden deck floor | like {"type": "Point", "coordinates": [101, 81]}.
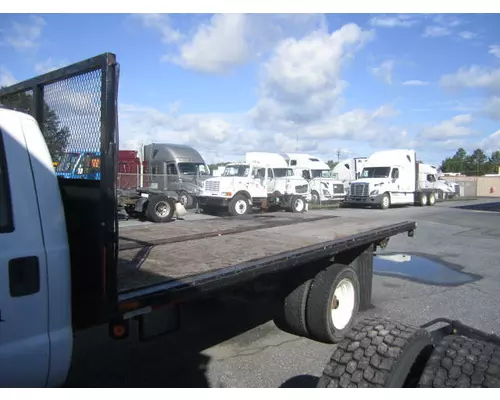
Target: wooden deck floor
{"type": "Point", "coordinates": [159, 253]}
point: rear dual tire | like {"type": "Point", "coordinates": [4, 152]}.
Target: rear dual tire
{"type": "Point", "coordinates": [322, 308]}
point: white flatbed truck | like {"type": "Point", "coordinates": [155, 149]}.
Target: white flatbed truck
{"type": "Point", "coordinates": [66, 266]}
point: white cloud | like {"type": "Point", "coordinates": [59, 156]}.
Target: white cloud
{"type": "Point", "coordinates": [393, 21]}
{"type": "Point", "coordinates": [217, 46]}
{"type": "Point", "coordinates": [216, 136]}
{"type": "Point", "coordinates": [384, 71]}
{"type": "Point", "coordinates": [495, 50]}
{"type": "Point", "coordinates": [49, 65]}
{"type": "Point", "coordinates": [226, 41]}
{"type": "Point", "coordinates": [162, 24]}
{"type": "Point", "coordinates": [473, 77]}
{"type": "Point", "coordinates": [467, 35]}
{"type": "Point", "coordinates": [6, 77]}
{"type": "Point", "coordinates": [457, 127]}
{"type": "Point", "coordinates": [436, 31]}
{"type": "Point", "coordinates": [415, 82]}
{"type": "Point", "coordinates": [492, 142]}
{"type": "Point", "coordinates": [492, 108]}
{"type": "Point", "coordinates": [24, 36]}
{"type": "Point", "coordinates": [302, 80]}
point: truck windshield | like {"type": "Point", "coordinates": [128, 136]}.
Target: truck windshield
{"type": "Point", "coordinates": [67, 162]}
{"type": "Point", "coordinates": [321, 173]}
{"type": "Point", "coordinates": [193, 169]}
{"type": "Point", "coordinates": [236, 170]}
{"type": "Point", "coordinates": [89, 164]}
{"type": "Point", "coordinates": [282, 172]}
{"type": "Point", "coordinates": [376, 172]}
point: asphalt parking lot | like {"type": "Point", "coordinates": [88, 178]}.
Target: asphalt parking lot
{"type": "Point", "coordinates": [230, 342]}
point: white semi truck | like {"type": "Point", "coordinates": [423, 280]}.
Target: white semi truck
{"type": "Point", "coordinates": [325, 187]}
{"type": "Point", "coordinates": [349, 170]}
{"type": "Point", "coordinates": [389, 178]}
{"type": "Point", "coordinates": [66, 264]}
{"type": "Point", "coordinates": [262, 181]}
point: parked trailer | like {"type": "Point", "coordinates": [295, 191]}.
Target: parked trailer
{"type": "Point", "coordinates": [72, 270]}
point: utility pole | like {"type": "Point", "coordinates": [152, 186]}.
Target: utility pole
{"type": "Point", "coordinates": [338, 155]}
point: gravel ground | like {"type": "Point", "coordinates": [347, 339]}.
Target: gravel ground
{"type": "Point", "coordinates": [230, 342]}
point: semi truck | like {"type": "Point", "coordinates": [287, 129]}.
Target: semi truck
{"type": "Point", "coordinates": [67, 265]}
{"type": "Point", "coordinates": [325, 187]}
{"type": "Point", "coordinates": [176, 167]}
{"type": "Point", "coordinates": [349, 170]}
{"type": "Point", "coordinates": [389, 178]}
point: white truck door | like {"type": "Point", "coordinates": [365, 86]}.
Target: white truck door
{"type": "Point", "coordinates": [24, 336]}
{"type": "Point", "coordinates": [271, 182]}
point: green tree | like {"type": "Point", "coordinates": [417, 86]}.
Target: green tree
{"type": "Point", "coordinates": [56, 136]}
{"type": "Point", "coordinates": [332, 163]}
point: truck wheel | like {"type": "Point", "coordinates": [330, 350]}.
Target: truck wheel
{"type": "Point", "coordinates": [333, 303]}
{"type": "Point", "coordinates": [432, 199]}
{"type": "Point", "coordinates": [460, 362]}
{"type": "Point", "coordinates": [292, 319]}
{"type": "Point", "coordinates": [239, 205]}
{"type": "Point", "coordinates": [315, 199]}
{"type": "Point", "coordinates": [423, 199]}
{"type": "Point", "coordinates": [377, 353]}
{"type": "Point", "coordinates": [385, 202]}
{"type": "Point", "coordinates": [160, 208]}
{"type": "Point", "coordinates": [186, 199]}
{"type": "Point", "coordinates": [298, 204]}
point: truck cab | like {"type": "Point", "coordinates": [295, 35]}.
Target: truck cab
{"type": "Point", "coordinates": [79, 165]}
{"type": "Point", "coordinates": [35, 350]}
{"type": "Point", "coordinates": [349, 170]}
{"type": "Point", "coordinates": [388, 177]}
{"type": "Point", "coordinates": [177, 168]}
{"type": "Point", "coordinates": [325, 187]}
{"type": "Point", "coordinates": [243, 186]}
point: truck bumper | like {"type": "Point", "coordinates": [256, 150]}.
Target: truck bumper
{"type": "Point", "coordinates": [208, 201]}
{"type": "Point", "coordinates": [364, 200]}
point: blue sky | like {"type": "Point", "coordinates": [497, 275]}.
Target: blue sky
{"type": "Point", "coordinates": [227, 84]}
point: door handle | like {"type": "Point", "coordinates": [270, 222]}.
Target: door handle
{"type": "Point", "coordinates": [24, 276]}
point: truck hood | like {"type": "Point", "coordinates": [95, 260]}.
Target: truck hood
{"type": "Point", "coordinates": [373, 182]}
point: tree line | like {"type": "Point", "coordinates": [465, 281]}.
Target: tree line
{"type": "Point", "coordinates": [474, 164]}
{"type": "Point", "coordinates": [56, 136]}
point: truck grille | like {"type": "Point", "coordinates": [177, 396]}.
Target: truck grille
{"type": "Point", "coordinates": [359, 189]}
{"type": "Point", "coordinates": [338, 188]}
{"type": "Point", "coordinates": [212, 186]}
{"type": "Point", "coordinates": [301, 188]}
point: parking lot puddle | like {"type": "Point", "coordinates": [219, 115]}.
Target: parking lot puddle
{"type": "Point", "coordinates": [421, 269]}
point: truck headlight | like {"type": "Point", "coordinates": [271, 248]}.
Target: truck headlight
{"type": "Point", "coordinates": [374, 192]}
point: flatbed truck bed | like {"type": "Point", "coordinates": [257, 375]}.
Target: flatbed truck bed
{"type": "Point", "coordinates": [217, 252]}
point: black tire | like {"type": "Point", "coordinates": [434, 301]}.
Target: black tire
{"type": "Point", "coordinates": [423, 199]}
{"type": "Point", "coordinates": [236, 207]}
{"type": "Point", "coordinates": [315, 199]}
{"type": "Point", "coordinates": [292, 319]}
{"type": "Point", "coordinates": [154, 213]}
{"type": "Point", "coordinates": [461, 362]}
{"type": "Point", "coordinates": [321, 300]}
{"type": "Point", "coordinates": [376, 353]}
{"type": "Point", "coordinates": [297, 204]}
{"type": "Point", "coordinates": [186, 199]}
{"type": "Point", "coordinates": [431, 199]}
{"type": "Point", "coordinates": [385, 202]}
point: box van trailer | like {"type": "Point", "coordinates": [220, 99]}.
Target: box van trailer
{"type": "Point", "coordinates": [67, 265]}
{"type": "Point", "coordinates": [389, 178]}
